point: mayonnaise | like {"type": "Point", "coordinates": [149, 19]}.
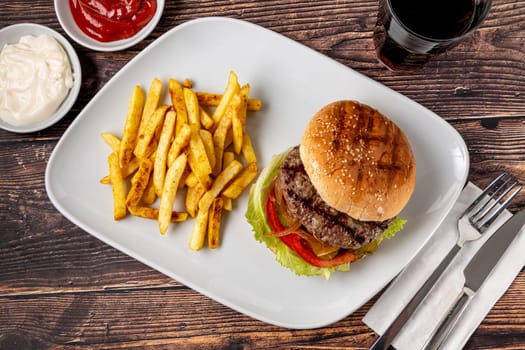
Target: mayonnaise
{"type": "Point", "coordinates": [35, 77]}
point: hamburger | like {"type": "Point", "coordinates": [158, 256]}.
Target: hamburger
{"type": "Point", "coordinates": [331, 200]}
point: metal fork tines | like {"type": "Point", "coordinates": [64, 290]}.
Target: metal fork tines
{"type": "Point", "coordinates": [488, 201]}
{"type": "Point", "coordinates": [475, 220]}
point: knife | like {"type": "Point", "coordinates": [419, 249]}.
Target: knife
{"type": "Point", "coordinates": [477, 270]}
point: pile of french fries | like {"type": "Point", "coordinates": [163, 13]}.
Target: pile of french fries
{"type": "Point", "coordinates": [196, 147]}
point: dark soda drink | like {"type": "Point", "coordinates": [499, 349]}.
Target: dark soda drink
{"type": "Point", "coordinates": [409, 32]}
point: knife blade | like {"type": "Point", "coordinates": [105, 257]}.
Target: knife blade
{"type": "Point", "coordinates": [490, 253]}
{"type": "Point", "coordinates": [477, 271]}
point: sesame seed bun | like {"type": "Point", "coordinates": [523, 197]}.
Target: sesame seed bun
{"type": "Point", "coordinates": [359, 161]}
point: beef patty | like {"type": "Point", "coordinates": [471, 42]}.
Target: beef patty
{"type": "Point", "coordinates": [326, 223]}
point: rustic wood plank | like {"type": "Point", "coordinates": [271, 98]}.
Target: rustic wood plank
{"type": "Point", "coordinates": [503, 326]}
{"type": "Point", "coordinates": [495, 145]}
{"type": "Point", "coordinates": [180, 317]}
{"type": "Point", "coordinates": [172, 316]}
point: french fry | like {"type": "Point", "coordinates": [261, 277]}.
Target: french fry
{"type": "Point", "coordinates": [247, 150]}
{"type": "Point", "coordinates": [207, 140]}
{"type": "Point", "coordinates": [219, 184]}
{"type": "Point", "coordinates": [229, 138]}
{"type": "Point", "coordinates": [193, 195]}
{"type": "Point", "coordinates": [198, 234]}
{"type": "Point", "coordinates": [148, 133]}
{"type": "Point", "coordinates": [153, 213]}
{"type": "Point", "coordinates": [227, 203]}
{"type": "Point", "coordinates": [134, 178]}
{"type": "Point", "coordinates": [219, 139]}
{"type": "Point", "coordinates": [151, 103]}
{"type": "Point", "coordinates": [151, 148]}
{"type": "Point", "coordinates": [227, 158]}
{"type": "Point", "coordinates": [191, 180]}
{"type": "Point", "coordinates": [206, 119]}
{"type": "Point", "coordinates": [187, 83]}
{"type": "Point", "coordinates": [171, 184]}
{"type": "Point", "coordinates": [149, 195]}
{"type": "Point", "coordinates": [214, 223]}
{"type": "Point", "coordinates": [161, 158]}
{"type": "Point", "coordinates": [244, 93]}
{"type": "Point", "coordinates": [139, 182]}
{"type": "Point", "coordinates": [117, 187]}
{"type": "Point", "coordinates": [207, 99]}
{"type": "Point", "coordinates": [198, 159]}
{"type": "Point", "coordinates": [185, 174]}
{"type": "Point", "coordinates": [106, 180]}
{"type": "Point", "coordinates": [178, 102]}
{"type": "Point", "coordinates": [130, 168]}
{"type": "Point", "coordinates": [241, 182]}
{"type": "Point", "coordinates": [131, 127]}
{"type": "Point", "coordinates": [125, 171]}
{"type": "Point", "coordinates": [192, 106]}
{"type": "Point", "coordinates": [182, 138]}
{"type": "Point", "coordinates": [254, 104]}
{"type": "Point", "coordinates": [231, 88]}
{"type": "Point", "coordinates": [111, 140]}
{"type": "Point", "coordinates": [237, 124]}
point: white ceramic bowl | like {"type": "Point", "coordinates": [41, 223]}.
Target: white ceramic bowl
{"type": "Point", "coordinates": [63, 13]}
{"type": "Point", "coordinates": [11, 35]}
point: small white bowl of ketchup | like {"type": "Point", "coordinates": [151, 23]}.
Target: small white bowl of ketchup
{"type": "Point", "coordinates": [107, 25]}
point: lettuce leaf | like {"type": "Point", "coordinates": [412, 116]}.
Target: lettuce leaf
{"type": "Point", "coordinates": [256, 217]}
{"type": "Point", "coordinates": [395, 226]}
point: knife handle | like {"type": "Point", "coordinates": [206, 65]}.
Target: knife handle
{"type": "Point", "coordinates": [448, 322]}
{"type": "Point", "coordinates": [383, 342]}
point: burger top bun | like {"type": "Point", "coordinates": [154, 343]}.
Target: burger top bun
{"type": "Point", "coordinates": [359, 161]}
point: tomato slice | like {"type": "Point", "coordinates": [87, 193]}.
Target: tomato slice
{"type": "Point", "coordinates": [299, 244]}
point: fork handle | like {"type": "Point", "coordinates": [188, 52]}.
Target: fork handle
{"type": "Point", "coordinates": [448, 323]}
{"type": "Point", "coordinates": [385, 340]}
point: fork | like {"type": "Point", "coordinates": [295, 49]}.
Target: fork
{"type": "Point", "coordinates": [472, 223]}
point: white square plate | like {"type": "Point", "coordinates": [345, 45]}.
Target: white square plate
{"type": "Point", "coordinates": [293, 82]}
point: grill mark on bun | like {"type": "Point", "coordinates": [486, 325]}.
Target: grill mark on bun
{"type": "Point", "coordinates": [360, 162]}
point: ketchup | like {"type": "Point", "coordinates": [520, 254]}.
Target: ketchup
{"type": "Point", "coordinates": [111, 20]}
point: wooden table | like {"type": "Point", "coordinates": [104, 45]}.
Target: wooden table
{"type": "Point", "coordinates": [61, 287]}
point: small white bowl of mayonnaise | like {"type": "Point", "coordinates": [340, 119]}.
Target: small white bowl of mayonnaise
{"type": "Point", "coordinates": [40, 77]}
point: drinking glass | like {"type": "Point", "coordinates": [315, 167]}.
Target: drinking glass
{"type": "Point", "coordinates": [408, 33]}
